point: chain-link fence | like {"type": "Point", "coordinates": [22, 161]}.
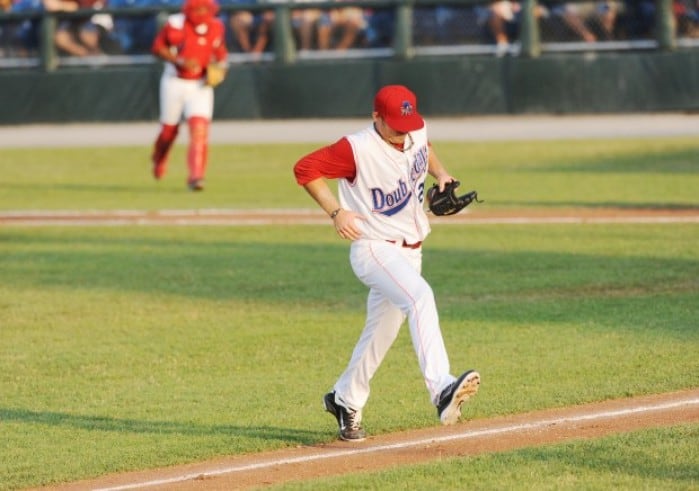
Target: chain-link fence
{"type": "Point", "coordinates": [34, 33]}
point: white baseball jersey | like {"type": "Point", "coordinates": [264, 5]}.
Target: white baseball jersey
{"type": "Point", "coordinates": [389, 187]}
{"type": "Point", "coordinates": [389, 190]}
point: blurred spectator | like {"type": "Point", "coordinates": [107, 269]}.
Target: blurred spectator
{"type": "Point", "coordinates": [6, 29]}
{"type": "Point", "coordinates": [250, 30]}
{"type": "Point", "coordinates": [135, 34]}
{"type": "Point", "coordinates": [605, 18]}
{"type": "Point", "coordinates": [502, 21]}
{"type": "Point", "coordinates": [81, 36]}
{"type": "Point", "coordinates": [687, 17]}
{"type": "Point", "coordinates": [313, 26]}
{"type": "Point", "coordinates": [587, 21]}
{"type": "Point", "coordinates": [570, 17]}
{"type": "Point", "coordinates": [28, 31]}
{"type": "Point", "coordinates": [380, 27]}
{"type": "Point", "coordinates": [337, 28]}
{"type": "Point", "coordinates": [449, 24]}
{"type": "Point", "coordinates": [347, 26]}
{"type": "Point", "coordinates": [639, 18]}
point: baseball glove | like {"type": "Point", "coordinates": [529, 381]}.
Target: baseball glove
{"type": "Point", "coordinates": [215, 73]}
{"type": "Point", "coordinates": [447, 202]}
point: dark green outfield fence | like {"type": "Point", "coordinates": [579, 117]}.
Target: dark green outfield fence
{"type": "Point", "coordinates": [451, 86]}
{"type": "Point", "coordinates": [663, 78]}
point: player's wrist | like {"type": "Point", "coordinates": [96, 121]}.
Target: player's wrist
{"type": "Point", "coordinates": [334, 213]}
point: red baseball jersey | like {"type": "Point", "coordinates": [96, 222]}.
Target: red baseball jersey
{"type": "Point", "coordinates": [204, 42]}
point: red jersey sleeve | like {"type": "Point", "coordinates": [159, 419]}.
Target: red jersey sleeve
{"type": "Point", "coordinates": [333, 162]}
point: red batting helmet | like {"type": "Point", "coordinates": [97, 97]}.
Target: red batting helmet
{"type": "Point", "coordinates": [199, 11]}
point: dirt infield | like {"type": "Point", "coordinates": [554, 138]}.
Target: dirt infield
{"type": "Point", "coordinates": [232, 217]}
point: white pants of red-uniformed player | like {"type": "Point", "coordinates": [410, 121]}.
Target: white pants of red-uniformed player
{"type": "Point", "coordinates": [396, 290]}
{"type": "Point", "coordinates": [194, 100]}
{"type": "Point", "coordinates": [180, 97]}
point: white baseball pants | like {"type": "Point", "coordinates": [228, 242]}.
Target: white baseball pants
{"type": "Point", "coordinates": [188, 98]}
{"type": "Point", "coordinates": [396, 290]}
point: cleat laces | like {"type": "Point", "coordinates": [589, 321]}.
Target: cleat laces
{"type": "Point", "coordinates": [353, 420]}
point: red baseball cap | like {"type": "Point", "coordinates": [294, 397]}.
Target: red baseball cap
{"type": "Point", "coordinates": [397, 105]}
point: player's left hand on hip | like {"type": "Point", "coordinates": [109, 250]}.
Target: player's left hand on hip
{"type": "Point", "coordinates": [346, 226]}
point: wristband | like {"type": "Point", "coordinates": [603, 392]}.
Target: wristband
{"type": "Point", "coordinates": [334, 213]}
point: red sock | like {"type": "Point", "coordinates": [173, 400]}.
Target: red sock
{"type": "Point", "coordinates": [198, 147]}
{"type": "Point", "coordinates": [161, 149]}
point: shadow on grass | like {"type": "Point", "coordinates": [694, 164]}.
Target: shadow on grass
{"type": "Point", "coordinates": [107, 424]}
{"type": "Point", "coordinates": [672, 162]}
{"type": "Point", "coordinates": [204, 268]}
{"type": "Point", "coordinates": [625, 455]}
{"type": "Point", "coordinates": [223, 268]}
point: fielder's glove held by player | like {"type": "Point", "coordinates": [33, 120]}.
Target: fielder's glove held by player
{"type": "Point", "coordinates": [215, 73]}
{"type": "Point", "coordinates": [446, 202]}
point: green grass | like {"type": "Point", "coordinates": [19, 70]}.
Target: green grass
{"type": "Point", "coordinates": [626, 173]}
{"type": "Point", "coordinates": [652, 459]}
{"type": "Point", "coordinates": [134, 347]}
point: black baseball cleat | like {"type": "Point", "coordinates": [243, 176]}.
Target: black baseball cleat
{"type": "Point", "coordinates": [458, 392]}
{"type": "Point", "coordinates": [349, 422]}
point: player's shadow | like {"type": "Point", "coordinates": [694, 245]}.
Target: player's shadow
{"type": "Point", "coordinates": [188, 428]}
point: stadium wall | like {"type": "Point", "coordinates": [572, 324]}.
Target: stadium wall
{"type": "Point", "coordinates": [446, 86]}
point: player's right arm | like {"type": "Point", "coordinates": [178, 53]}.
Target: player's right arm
{"type": "Point", "coordinates": [343, 220]}
{"type": "Point", "coordinates": [333, 161]}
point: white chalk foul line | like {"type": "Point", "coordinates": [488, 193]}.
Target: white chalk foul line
{"type": "Point", "coordinates": [592, 416]}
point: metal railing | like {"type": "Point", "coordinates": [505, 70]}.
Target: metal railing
{"type": "Point", "coordinates": [285, 51]}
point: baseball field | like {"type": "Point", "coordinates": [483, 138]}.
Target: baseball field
{"type": "Point", "coordinates": [153, 338]}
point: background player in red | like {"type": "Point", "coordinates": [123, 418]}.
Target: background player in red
{"type": "Point", "coordinates": [188, 42]}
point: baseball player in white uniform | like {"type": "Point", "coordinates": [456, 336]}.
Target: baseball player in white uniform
{"type": "Point", "coordinates": [382, 171]}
